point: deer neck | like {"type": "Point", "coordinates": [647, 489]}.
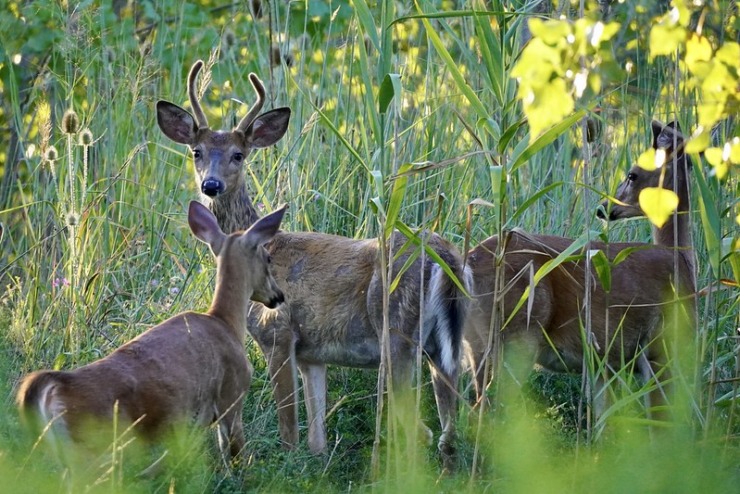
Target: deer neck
{"type": "Point", "coordinates": [676, 232]}
{"type": "Point", "coordinates": [231, 298]}
{"type": "Point", "coordinates": [234, 211]}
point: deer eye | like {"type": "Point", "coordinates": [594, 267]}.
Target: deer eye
{"type": "Point", "coordinates": [632, 176]}
{"type": "Point", "coordinates": [197, 154]}
{"type": "Point", "coordinates": [269, 259]}
{"type": "Point", "coordinates": [238, 157]}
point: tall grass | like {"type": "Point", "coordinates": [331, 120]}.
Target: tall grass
{"type": "Point", "coordinates": [95, 247]}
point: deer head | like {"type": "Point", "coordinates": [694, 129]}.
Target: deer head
{"type": "Point", "coordinates": [242, 258]}
{"type": "Point", "coordinates": [219, 156]}
{"type": "Point", "coordinates": [672, 175]}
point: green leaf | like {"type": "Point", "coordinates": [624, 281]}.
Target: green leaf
{"type": "Point", "coordinates": [462, 85]}
{"type": "Point", "coordinates": [603, 269]}
{"type": "Point", "coordinates": [625, 253]}
{"type": "Point", "coordinates": [371, 109]}
{"type": "Point", "coordinates": [396, 201]}
{"type": "Point", "coordinates": [546, 138]}
{"type": "Point", "coordinates": [389, 88]}
{"type": "Point", "coordinates": [532, 199]}
{"type": "Point", "coordinates": [658, 204]}
{"type": "Point", "coordinates": [565, 256]}
{"type": "Point", "coordinates": [710, 220]}
{"type": "Point", "coordinates": [366, 21]}
{"type": "Point", "coordinates": [403, 228]}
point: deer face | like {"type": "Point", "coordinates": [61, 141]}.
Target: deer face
{"type": "Point", "coordinates": [219, 162]}
{"type": "Point", "coordinates": [265, 288]}
{"type": "Point", "coordinates": [667, 138]}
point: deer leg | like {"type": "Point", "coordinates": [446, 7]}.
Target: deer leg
{"type": "Point", "coordinates": [231, 433]}
{"type": "Point", "coordinates": [477, 362]}
{"type": "Point", "coordinates": [648, 364]}
{"type": "Point", "coordinates": [282, 367]}
{"type": "Point", "coordinates": [445, 394]}
{"type": "Point", "coordinates": [314, 391]}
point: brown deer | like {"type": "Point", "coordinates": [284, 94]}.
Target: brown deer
{"type": "Point", "coordinates": [333, 287]}
{"type": "Point", "coordinates": [192, 366]}
{"type": "Point", "coordinates": [628, 323]}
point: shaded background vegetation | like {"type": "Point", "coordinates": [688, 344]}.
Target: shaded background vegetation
{"type": "Point", "coordinates": [84, 269]}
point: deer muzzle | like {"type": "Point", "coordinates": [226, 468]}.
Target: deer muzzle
{"type": "Point", "coordinates": [276, 300]}
{"type": "Point", "coordinates": [212, 187]}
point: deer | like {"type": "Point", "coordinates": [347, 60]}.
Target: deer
{"type": "Point", "coordinates": [192, 366]}
{"type": "Point", "coordinates": [333, 314]}
{"type": "Point", "coordinates": [629, 324]}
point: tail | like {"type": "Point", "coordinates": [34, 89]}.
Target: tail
{"type": "Point", "coordinates": [40, 408]}
{"type": "Point", "coordinates": [444, 317]}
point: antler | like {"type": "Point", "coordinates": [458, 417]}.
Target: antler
{"type": "Point", "coordinates": [200, 117]}
{"type": "Point", "coordinates": [259, 88]}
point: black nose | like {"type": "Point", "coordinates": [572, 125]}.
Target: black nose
{"type": "Point", "coordinates": [275, 301]}
{"type": "Point", "coordinates": [600, 213]}
{"type": "Point", "coordinates": [212, 187]}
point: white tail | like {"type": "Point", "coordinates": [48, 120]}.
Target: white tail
{"type": "Point", "coordinates": [333, 310]}
{"type": "Point", "coordinates": [191, 366]}
{"type": "Point", "coordinates": [628, 319]}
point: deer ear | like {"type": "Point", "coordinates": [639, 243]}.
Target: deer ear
{"type": "Point", "coordinates": [204, 226]}
{"type": "Point", "coordinates": [176, 123]}
{"type": "Point", "coordinates": [268, 128]}
{"type": "Point", "coordinates": [265, 228]}
{"type": "Point", "coordinates": [670, 137]}
{"type": "Point", "coordinates": [657, 127]}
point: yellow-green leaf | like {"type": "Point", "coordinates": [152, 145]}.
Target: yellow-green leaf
{"type": "Point", "coordinates": [698, 51]}
{"type": "Point", "coordinates": [715, 158]}
{"type": "Point", "coordinates": [658, 204]}
{"type": "Point", "coordinates": [728, 53]}
{"type": "Point", "coordinates": [646, 160]}
{"type": "Point", "coordinates": [698, 143]}
{"type": "Point", "coordinates": [734, 150]}
{"type": "Point", "coordinates": [551, 32]}
{"type": "Point", "coordinates": [664, 40]}
{"type": "Point", "coordinates": [547, 106]}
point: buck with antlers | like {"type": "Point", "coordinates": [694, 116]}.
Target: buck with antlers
{"type": "Point", "coordinates": [629, 321]}
{"type": "Point", "coordinates": [333, 313]}
{"type": "Point", "coordinates": [192, 366]}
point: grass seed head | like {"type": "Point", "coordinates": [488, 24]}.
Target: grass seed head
{"type": "Point", "coordinates": [70, 122]}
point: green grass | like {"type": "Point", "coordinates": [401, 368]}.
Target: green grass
{"type": "Point", "coordinates": [130, 261]}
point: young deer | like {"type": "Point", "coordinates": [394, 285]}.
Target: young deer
{"type": "Point", "coordinates": [192, 366]}
{"type": "Point", "coordinates": [333, 289]}
{"type": "Point", "coordinates": [628, 322]}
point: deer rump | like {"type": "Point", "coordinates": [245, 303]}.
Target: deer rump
{"type": "Point", "coordinates": [337, 319]}
{"type": "Point", "coordinates": [154, 389]}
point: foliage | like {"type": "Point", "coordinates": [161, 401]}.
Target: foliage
{"type": "Point", "coordinates": [432, 115]}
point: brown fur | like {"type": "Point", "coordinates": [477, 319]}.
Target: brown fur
{"type": "Point", "coordinates": [190, 367]}
{"type": "Point", "coordinates": [333, 310]}
{"type": "Point", "coordinates": [630, 317]}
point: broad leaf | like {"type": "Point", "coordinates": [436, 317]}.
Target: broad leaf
{"type": "Point", "coordinates": [658, 204]}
